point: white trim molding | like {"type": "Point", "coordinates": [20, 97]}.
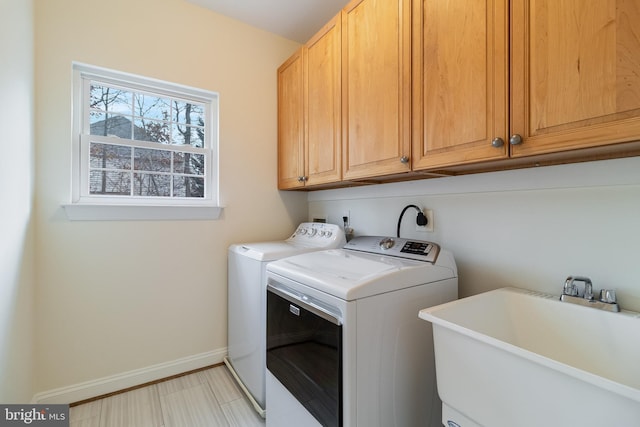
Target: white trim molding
{"type": "Point", "coordinates": [117, 382]}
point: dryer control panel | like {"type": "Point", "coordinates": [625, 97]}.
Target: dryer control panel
{"type": "Point", "coordinates": [419, 250]}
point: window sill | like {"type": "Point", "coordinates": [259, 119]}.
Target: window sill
{"type": "Point", "coordinates": [96, 212]}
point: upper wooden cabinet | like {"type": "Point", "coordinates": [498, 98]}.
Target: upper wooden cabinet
{"type": "Point", "coordinates": [460, 81]}
{"type": "Point", "coordinates": [376, 88]}
{"type": "Point", "coordinates": [291, 169]}
{"type": "Point", "coordinates": [309, 97]}
{"type": "Point", "coordinates": [575, 74]}
{"type": "Point", "coordinates": [458, 86]}
{"type": "Point", "coordinates": [573, 79]}
{"type": "Point", "coordinates": [323, 133]}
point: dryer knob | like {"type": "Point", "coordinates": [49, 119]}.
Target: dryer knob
{"type": "Point", "coordinates": [387, 243]}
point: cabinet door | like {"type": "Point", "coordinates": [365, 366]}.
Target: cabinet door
{"type": "Point", "coordinates": [290, 123]}
{"type": "Point", "coordinates": [460, 82]}
{"type": "Point", "coordinates": [376, 87]}
{"type": "Point", "coordinates": [575, 74]}
{"type": "Point", "coordinates": [322, 105]}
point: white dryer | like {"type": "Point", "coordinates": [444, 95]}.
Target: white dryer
{"type": "Point", "coordinates": [345, 346]}
{"type": "Point", "coordinates": [247, 300]}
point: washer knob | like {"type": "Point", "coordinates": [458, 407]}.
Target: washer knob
{"type": "Point", "coordinates": [387, 243]}
{"type": "Point", "coordinates": [312, 232]}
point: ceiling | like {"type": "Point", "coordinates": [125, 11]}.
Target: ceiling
{"type": "Point", "coordinates": [295, 20]}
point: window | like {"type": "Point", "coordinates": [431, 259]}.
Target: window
{"type": "Point", "coordinates": [141, 142]}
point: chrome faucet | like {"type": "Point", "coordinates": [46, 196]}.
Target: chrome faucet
{"type": "Point", "coordinates": [571, 289]}
{"type": "Point", "coordinates": [570, 294]}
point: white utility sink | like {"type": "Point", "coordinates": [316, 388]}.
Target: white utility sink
{"type": "Point", "coordinates": [512, 357]}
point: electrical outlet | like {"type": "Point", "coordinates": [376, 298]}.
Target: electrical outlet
{"type": "Point", "coordinates": [429, 227]}
{"type": "Point", "coordinates": [347, 214]}
{"type": "Point", "coordinates": [348, 230]}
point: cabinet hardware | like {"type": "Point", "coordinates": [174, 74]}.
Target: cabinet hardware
{"type": "Point", "coordinates": [497, 142]}
{"type": "Point", "coordinates": [515, 139]}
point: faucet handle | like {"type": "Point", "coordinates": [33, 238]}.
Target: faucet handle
{"type": "Point", "coordinates": [588, 290]}
{"type": "Point", "coordinates": [569, 287]}
{"type": "Point", "coordinates": [608, 296]}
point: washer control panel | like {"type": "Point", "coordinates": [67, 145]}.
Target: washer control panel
{"type": "Point", "coordinates": [317, 234]}
{"type": "Point", "coordinates": [419, 250]}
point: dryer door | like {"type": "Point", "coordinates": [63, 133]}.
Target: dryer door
{"type": "Point", "coordinates": [304, 352]}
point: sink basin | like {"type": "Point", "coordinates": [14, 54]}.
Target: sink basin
{"type": "Point", "coordinates": [512, 357]}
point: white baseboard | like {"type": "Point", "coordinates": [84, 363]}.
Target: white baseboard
{"type": "Point", "coordinates": [110, 384]}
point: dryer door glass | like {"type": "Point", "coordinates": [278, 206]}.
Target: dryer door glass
{"type": "Point", "coordinates": [304, 352]}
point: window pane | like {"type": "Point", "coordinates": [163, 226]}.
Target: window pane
{"type": "Point", "coordinates": [110, 125]}
{"type": "Point", "coordinates": [151, 130]}
{"type": "Point", "coordinates": [188, 135]}
{"type": "Point", "coordinates": [197, 114]}
{"type": "Point", "coordinates": [152, 107]}
{"type": "Point", "coordinates": [151, 185]}
{"type": "Point", "coordinates": [152, 160]}
{"type": "Point", "coordinates": [186, 186]}
{"type": "Point", "coordinates": [107, 156]}
{"type": "Point", "coordinates": [188, 163]}
{"type": "Point", "coordinates": [188, 113]}
{"type": "Point", "coordinates": [110, 99]}
{"type": "Point", "coordinates": [111, 183]}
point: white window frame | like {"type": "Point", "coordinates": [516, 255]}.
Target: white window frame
{"type": "Point", "coordinates": [86, 206]}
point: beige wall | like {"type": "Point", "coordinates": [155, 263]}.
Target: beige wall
{"type": "Point", "coordinates": [17, 262]}
{"type": "Point", "coordinates": [119, 296]}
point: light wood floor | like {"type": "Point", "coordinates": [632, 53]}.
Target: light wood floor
{"type": "Point", "coordinates": [208, 398]}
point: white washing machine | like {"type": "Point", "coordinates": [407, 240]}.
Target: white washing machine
{"type": "Point", "coordinates": [345, 346]}
{"type": "Point", "coordinates": [247, 300]}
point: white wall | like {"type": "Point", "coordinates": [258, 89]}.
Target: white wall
{"type": "Point", "coordinates": [17, 280]}
{"type": "Point", "coordinates": [529, 228]}
{"type": "Point", "coordinates": [120, 296]}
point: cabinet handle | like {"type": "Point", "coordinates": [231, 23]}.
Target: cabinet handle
{"type": "Point", "coordinates": [302, 178]}
{"type": "Point", "coordinates": [404, 159]}
{"type": "Point", "coordinates": [515, 139]}
{"type": "Point", "coordinates": [497, 142]}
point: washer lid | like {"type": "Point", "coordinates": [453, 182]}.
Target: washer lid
{"type": "Point", "coordinates": [352, 275]}
{"type": "Point", "coordinates": [266, 251]}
